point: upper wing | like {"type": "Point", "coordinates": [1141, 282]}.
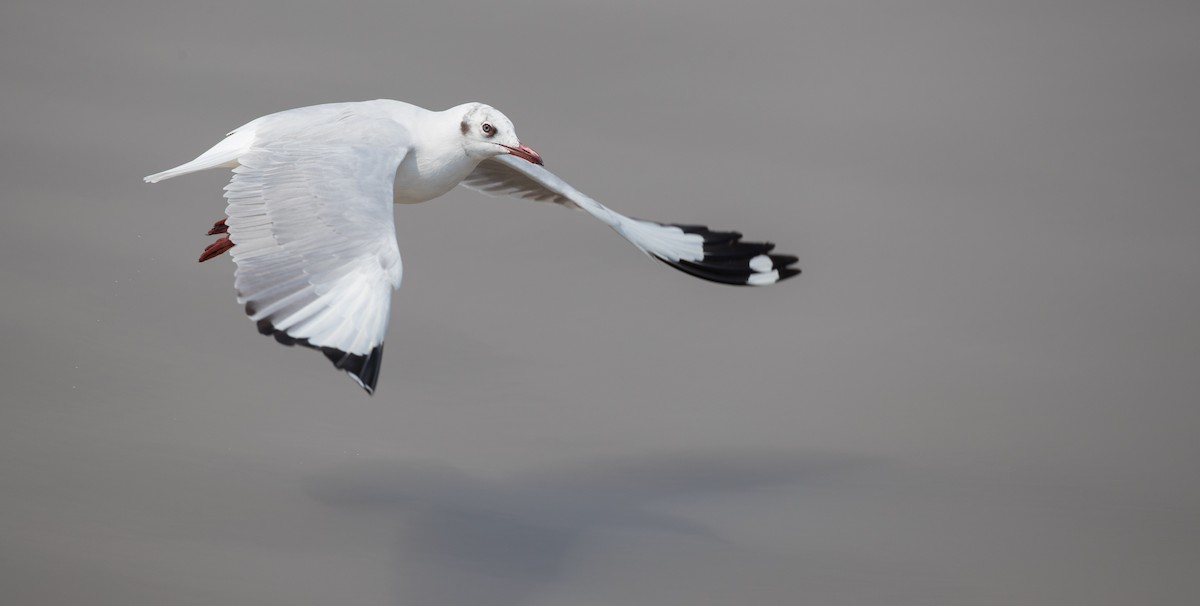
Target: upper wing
{"type": "Point", "coordinates": [694, 249]}
{"type": "Point", "coordinates": [310, 212]}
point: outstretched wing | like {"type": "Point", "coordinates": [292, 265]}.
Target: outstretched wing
{"type": "Point", "coordinates": [715, 256]}
{"type": "Point", "coordinates": [310, 212]}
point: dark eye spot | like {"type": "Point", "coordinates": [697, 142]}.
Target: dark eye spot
{"type": "Point", "coordinates": [488, 129]}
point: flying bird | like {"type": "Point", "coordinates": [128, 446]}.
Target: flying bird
{"type": "Point", "coordinates": [309, 220]}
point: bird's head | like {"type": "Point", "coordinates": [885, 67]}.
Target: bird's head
{"type": "Point", "coordinates": [487, 133]}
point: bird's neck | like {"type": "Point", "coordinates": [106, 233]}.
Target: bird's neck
{"type": "Point", "coordinates": [435, 164]}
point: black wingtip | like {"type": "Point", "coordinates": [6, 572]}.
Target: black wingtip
{"type": "Point", "coordinates": [788, 272]}
{"type": "Point", "coordinates": [783, 266]}
{"type": "Point", "coordinates": [729, 260]}
{"type": "Point", "coordinates": [364, 369]}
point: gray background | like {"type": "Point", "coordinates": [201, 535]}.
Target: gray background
{"type": "Point", "coordinates": [983, 389]}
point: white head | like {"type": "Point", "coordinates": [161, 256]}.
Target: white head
{"type": "Point", "coordinates": [486, 133]}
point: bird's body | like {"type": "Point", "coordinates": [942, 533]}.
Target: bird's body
{"type": "Point", "coordinates": [310, 223]}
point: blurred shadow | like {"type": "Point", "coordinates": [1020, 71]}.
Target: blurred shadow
{"type": "Point", "coordinates": [469, 541]}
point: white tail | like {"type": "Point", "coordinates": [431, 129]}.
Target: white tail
{"type": "Point", "coordinates": [223, 154]}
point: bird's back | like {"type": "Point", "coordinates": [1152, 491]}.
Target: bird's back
{"type": "Point", "coordinates": [315, 124]}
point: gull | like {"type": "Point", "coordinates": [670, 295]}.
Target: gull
{"type": "Point", "coordinates": [309, 219]}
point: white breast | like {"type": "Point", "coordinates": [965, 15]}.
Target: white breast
{"type": "Point", "coordinates": [423, 176]}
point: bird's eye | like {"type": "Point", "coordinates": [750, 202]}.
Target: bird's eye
{"type": "Point", "coordinates": [488, 129]}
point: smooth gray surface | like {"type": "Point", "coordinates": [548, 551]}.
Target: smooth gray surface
{"type": "Point", "coordinates": [983, 390]}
